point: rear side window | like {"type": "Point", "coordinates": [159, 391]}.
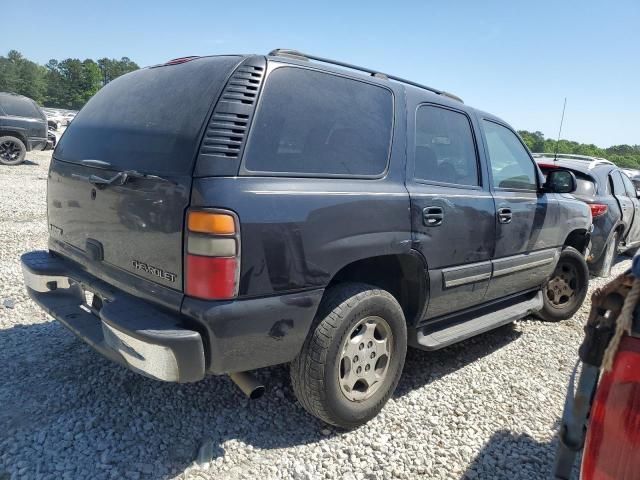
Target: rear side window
{"type": "Point", "coordinates": [511, 166]}
{"type": "Point", "coordinates": [445, 150]}
{"type": "Point", "coordinates": [148, 120]}
{"type": "Point", "coordinates": [19, 107]}
{"type": "Point", "coordinates": [585, 187]}
{"type": "Point", "coordinates": [313, 123]}
{"type": "Point", "coordinates": [616, 182]}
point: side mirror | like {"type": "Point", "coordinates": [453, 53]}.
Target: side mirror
{"type": "Point", "coordinates": [560, 181]}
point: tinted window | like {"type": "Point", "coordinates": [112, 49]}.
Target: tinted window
{"type": "Point", "coordinates": [445, 151]}
{"type": "Point", "coordinates": [585, 185]}
{"type": "Point", "coordinates": [148, 120]}
{"type": "Point", "coordinates": [631, 189]}
{"type": "Point", "coordinates": [19, 107]}
{"type": "Point", "coordinates": [315, 123]}
{"type": "Point", "coordinates": [511, 166]}
{"type": "Point", "coordinates": [618, 185]}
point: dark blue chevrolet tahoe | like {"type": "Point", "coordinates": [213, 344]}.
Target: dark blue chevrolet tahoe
{"type": "Point", "coordinates": [216, 215]}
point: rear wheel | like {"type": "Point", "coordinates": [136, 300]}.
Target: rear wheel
{"type": "Point", "coordinates": [351, 361]}
{"type": "Point", "coordinates": [566, 289]}
{"type": "Point", "coordinates": [12, 150]}
{"type": "Point", "coordinates": [609, 254]}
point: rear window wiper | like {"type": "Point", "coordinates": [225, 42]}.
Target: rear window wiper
{"type": "Point", "coordinates": [119, 178]}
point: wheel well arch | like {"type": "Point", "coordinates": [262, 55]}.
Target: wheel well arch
{"type": "Point", "coordinates": [405, 276]}
{"type": "Point", "coordinates": [577, 239]}
{"type": "Point", "coordinates": [14, 133]}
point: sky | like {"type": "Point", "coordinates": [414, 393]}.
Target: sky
{"type": "Point", "coordinates": [515, 59]}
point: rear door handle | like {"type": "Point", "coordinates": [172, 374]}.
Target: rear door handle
{"type": "Point", "coordinates": [432, 216]}
{"type": "Point", "coordinates": [504, 215]}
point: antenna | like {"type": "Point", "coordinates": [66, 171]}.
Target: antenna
{"type": "Point", "coordinates": [555, 154]}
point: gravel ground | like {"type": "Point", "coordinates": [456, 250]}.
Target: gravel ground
{"type": "Point", "coordinates": [486, 408]}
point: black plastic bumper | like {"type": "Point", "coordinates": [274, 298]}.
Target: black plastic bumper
{"type": "Point", "coordinates": [215, 337]}
{"type": "Point", "coordinates": [129, 331]}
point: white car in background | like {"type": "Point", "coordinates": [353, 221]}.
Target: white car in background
{"type": "Point", "coordinates": [55, 119]}
{"type": "Point", "coordinates": [68, 117]}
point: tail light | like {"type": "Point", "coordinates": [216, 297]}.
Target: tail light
{"type": "Point", "coordinates": [213, 255]}
{"type": "Point", "coordinates": [598, 209]}
{"type": "Point", "coordinates": [613, 437]}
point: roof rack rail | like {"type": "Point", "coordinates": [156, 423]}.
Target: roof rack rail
{"type": "Point", "coordinates": [571, 156]}
{"type": "Point", "coordinates": [285, 52]}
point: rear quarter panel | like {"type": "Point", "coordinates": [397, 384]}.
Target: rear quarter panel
{"type": "Point", "coordinates": [296, 233]}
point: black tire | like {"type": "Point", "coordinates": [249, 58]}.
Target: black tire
{"type": "Point", "coordinates": [317, 370]}
{"type": "Point", "coordinates": [608, 256]}
{"type": "Point", "coordinates": [12, 150]}
{"type": "Point", "coordinates": [570, 275]}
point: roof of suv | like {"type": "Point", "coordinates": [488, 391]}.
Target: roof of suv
{"type": "Point", "coordinates": [295, 57]}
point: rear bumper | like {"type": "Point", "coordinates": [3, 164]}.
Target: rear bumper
{"type": "Point", "coordinates": [36, 143]}
{"type": "Point", "coordinates": [206, 337]}
{"type": "Point", "coordinates": [125, 329]}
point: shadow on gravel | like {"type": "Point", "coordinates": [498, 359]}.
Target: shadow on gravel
{"type": "Point", "coordinates": [422, 367]}
{"type": "Point", "coordinates": [66, 410]}
{"type": "Point", "coordinates": [515, 457]}
{"type": "Point", "coordinates": [29, 162]}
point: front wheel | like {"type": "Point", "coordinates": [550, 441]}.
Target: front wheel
{"type": "Point", "coordinates": [566, 289]}
{"type": "Point", "coordinates": [351, 361]}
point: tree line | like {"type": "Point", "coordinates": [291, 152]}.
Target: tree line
{"type": "Point", "coordinates": [67, 83]}
{"type": "Point", "coordinates": [627, 156]}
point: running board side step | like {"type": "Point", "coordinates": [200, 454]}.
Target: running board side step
{"type": "Point", "coordinates": [429, 337]}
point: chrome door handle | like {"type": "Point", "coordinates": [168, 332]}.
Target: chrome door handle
{"type": "Point", "coordinates": [432, 216]}
{"type": "Point", "coordinates": [505, 215]}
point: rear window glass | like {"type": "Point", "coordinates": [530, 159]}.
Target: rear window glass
{"type": "Point", "coordinates": [313, 123]}
{"type": "Point", "coordinates": [19, 107]}
{"type": "Point", "coordinates": [618, 185]}
{"type": "Point", "coordinates": [148, 120]}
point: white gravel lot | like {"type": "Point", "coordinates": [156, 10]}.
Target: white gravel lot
{"type": "Point", "coordinates": [486, 408]}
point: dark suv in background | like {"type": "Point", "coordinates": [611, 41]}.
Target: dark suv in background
{"type": "Point", "coordinates": [613, 201]}
{"type": "Point", "coordinates": [23, 127]}
{"type": "Point", "coordinates": [216, 215]}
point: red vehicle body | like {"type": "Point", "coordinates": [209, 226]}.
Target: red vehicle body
{"type": "Point", "coordinates": [612, 448]}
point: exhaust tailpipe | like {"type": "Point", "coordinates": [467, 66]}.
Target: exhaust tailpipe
{"type": "Point", "coordinates": [248, 383]}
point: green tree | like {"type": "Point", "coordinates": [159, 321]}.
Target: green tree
{"type": "Point", "coordinates": [535, 140]}
{"type": "Point", "coordinates": [67, 83]}
{"type": "Point", "coordinates": [627, 156]}
{"type": "Point", "coordinates": [110, 68]}
{"type": "Point", "coordinates": [19, 75]}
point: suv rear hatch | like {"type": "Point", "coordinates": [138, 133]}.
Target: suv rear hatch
{"type": "Point", "coordinates": [120, 178]}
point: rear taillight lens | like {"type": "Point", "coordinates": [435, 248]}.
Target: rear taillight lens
{"type": "Point", "coordinates": [597, 209]}
{"type": "Point", "coordinates": [612, 449]}
{"type": "Point", "coordinates": [212, 262]}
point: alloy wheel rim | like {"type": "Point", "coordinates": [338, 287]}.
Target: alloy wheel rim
{"type": "Point", "coordinates": [365, 357]}
{"type": "Point", "coordinates": [563, 285]}
{"type": "Point", "coordinates": [9, 150]}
